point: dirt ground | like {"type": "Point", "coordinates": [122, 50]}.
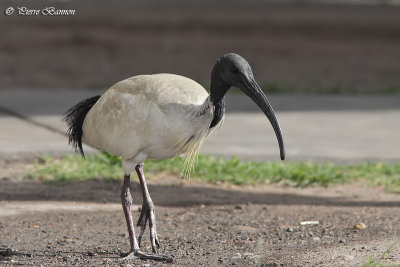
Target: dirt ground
{"type": "Point", "coordinates": [199, 224]}
{"type": "Point", "coordinates": [311, 48]}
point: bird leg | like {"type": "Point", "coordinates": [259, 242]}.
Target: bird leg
{"type": "Point", "coordinates": [126, 200]}
{"type": "Point", "coordinates": [147, 213]}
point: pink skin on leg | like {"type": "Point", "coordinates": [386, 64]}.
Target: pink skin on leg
{"type": "Point", "coordinates": [126, 200]}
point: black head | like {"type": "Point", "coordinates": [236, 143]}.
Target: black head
{"type": "Point", "coordinates": [229, 70]}
{"type": "Point", "coordinates": [233, 70]}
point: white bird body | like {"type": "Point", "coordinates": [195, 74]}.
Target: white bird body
{"type": "Point", "coordinates": [150, 116]}
{"type": "Point", "coordinates": [160, 116]}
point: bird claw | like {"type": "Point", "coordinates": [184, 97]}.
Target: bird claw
{"type": "Point", "coordinates": [148, 214]}
{"type": "Point", "coordinates": [147, 256]}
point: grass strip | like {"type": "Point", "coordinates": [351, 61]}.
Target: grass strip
{"type": "Point", "coordinates": [212, 169]}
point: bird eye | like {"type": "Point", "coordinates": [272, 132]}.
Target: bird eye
{"type": "Point", "coordinates": [235, 70]}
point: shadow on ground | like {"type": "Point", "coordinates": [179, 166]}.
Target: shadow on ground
{"type": "Point", "coordinates": [169, 195]}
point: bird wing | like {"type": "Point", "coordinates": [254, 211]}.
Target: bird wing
{"type": "Point", "coordinates": [147, 113]}
{"type": "Point", "coordinates": [164, 89]}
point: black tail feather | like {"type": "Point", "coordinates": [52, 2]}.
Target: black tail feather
{"type": "Point", "coordinates": [74, 118]}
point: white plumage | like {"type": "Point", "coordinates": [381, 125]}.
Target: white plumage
{"type": "Point", "coordinates": [150, 116]}
{"type": "Point", "coordinates": [160, 116]}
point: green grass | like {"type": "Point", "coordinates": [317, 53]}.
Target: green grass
{"type": "Point", "coordinates": [380, 261]}
{"type": "Point", "coordinates": [211, 169]}
{"type": "Point", "coordinates": [372, 263]}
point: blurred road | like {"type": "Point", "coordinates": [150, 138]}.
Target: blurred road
{"type": "Point", "coordinates": [319, 128]}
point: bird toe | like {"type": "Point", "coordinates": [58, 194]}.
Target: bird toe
{"type": "Point", "coordinates": [146, 256]}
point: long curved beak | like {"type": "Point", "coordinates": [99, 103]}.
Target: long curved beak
{"type": "Point", "coordinates": [254, 91]}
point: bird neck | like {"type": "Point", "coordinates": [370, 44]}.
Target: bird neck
{"type": "Point", "coordinates": [219, 111]}
{"type": "Point", "coordinates": [218, 90]}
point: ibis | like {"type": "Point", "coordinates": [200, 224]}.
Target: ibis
{"type": "Point", "coordinates": [160, 116]}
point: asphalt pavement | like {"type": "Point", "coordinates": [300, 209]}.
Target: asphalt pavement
{"type": "Point", "coordinates": [315, 127]}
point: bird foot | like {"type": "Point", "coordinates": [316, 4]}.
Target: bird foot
{"type": "Point", "coordinates": [148, 214]}
{"type": "Point", "coordinates": [147, 256]}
